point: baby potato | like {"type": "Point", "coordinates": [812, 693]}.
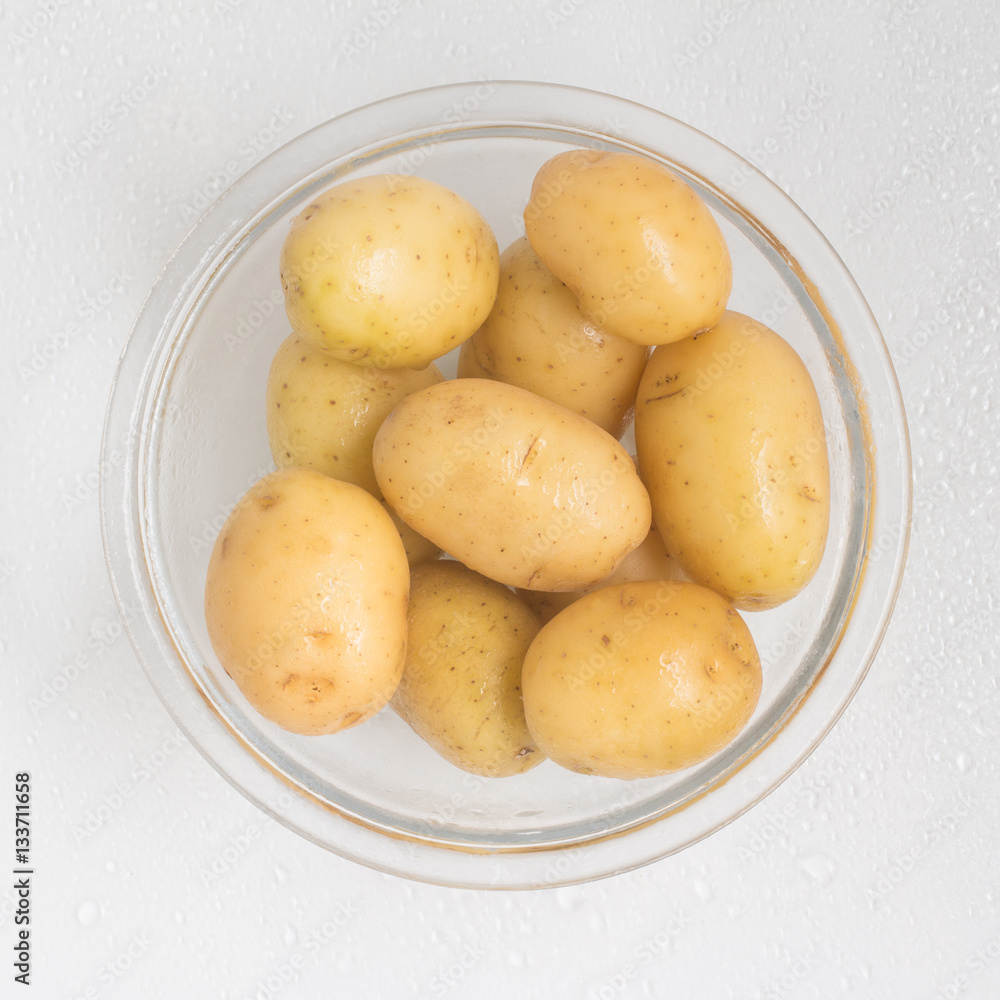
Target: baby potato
{"type": "Point", "coordinates": [418, 549]}
{"type": "Point", "coordinates": [640, 679]}
{"type": "Point", "coordinates": [461, 686]}
{"type": "Point", "coordinates": [636, 245]}
{"type": "Point", "coordinates": [322, 413]}
{"type": "Point", "coordinates": [388, 271]}
{"type": "Point", "coordinates": [650, 561]}
{"type": "Point", "coordinates": [516, 487]}
{"type": "Point", "coordinates": [731, 445]}
{"type": "Point", "coordinates": [305, 601]}
{"type": "Point", "coordinates": [537, 338]}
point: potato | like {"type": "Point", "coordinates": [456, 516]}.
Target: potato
{"type": "Point", "coordinates": [461, 686]}
{"type": "Point", "coordinates": [305, 601]}
{"type": "Point", "coordinates": [640, 679]}
{"type": "Point", "coordinates": [513, 485]}
{"type": "Point", "coordinates": [639, 249]}
{"type": "Point", "coordinates": [650, 561]}
{"type": "Point", "coordinates": [731, 446]}
{"type": "Point", "coordinates": [322, 413]}
{"type": "Point", "coordinates": [537, 338]}
{"type": "Point", "coordinates": [418, 549]}
{"type": "Point", "coordinates": [388, 271]}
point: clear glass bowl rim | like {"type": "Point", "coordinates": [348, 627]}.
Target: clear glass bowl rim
{"type": "Point", "coordinates": [306, 161]}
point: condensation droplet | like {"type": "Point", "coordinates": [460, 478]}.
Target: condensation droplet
{"type": "Point", "coordinates": [89, 913]}
{"type": "Point", "coordinates": [964, 761]}
{"type": "Point", "coordinates": [515, 960]}
{"type": "Point", "coordinates": [819, 867]}
{"type": "Point", "coordinates": [289, 936]}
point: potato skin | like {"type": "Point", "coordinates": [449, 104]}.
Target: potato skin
{"type": "Point", "coordinates": [731, 445]}
{"type": "Point", "coordinates": [305, 601]}
{"type": "Point", "coordinates": [640, 679]}
{"type": "Point", "coordinates": [322, 413]}
{"type": "Point", "coordinates": [513, 485]}
{"type": "Point", "coordinates": [461, 686]}
{"type": "Point", "coordinates": [388, 271]}
{"type": "Point", "coordinates": [635, 244]}
{"type": "Point", "coordinates": [650, 561]}
{"type": "Point", "coordinates": [536, 338]}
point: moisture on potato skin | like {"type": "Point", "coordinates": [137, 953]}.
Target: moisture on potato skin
{"type": "Point", "coordinates": [305, 601]}
{"type": "Point", "coordinates": [650, 561]}
{"type": "Point", "coordinates": [514, 486]}
{"type": "Point", "coordinates": [640, 679]}
{"type": "Point", "coordinates": [323, 413]}
{"type": "Point", "coordinates": [536, 337]}
{"type": "Point", "coordinates": [637, 246]}
{"type": "Point", "coordinates": [388, 271]}
{"type": "Point", "coordinates": [731, 446]}
{"type": "Point", "coordinates": [461, 686]}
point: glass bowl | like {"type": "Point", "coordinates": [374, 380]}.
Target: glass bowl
{"type": "Point", "coordinates": [185, 436]}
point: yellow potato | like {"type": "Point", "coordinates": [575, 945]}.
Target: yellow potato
{"type": "Point", "coordinates": [389, 271]}
{"type": "Point", "coordinates": [322, 413]}
{"type": "Point", "coordinates": [513, 485]}
{"type": "Point", "coordinates": [639, 249]}
{"type": "Point", "coordinates": [731, 446]}
{"type": "Point", "coordinates": [418, 549]}
{"type": "Point", "coordinates": [650, 561]}
{"type": "Point", "coordinates": [461, 686]}
{"type": "Point", "coordinates": [305, 601]}
{"type": "Point", "coordinates": [640, 679]}
{"type": "Point", "coordinates": [537, 338]}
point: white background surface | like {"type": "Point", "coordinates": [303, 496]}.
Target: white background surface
{"type": "Point", "coordinates": [872, 872]}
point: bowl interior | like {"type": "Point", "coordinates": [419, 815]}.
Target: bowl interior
{"type": "Point", "coordinates": [204, 442]}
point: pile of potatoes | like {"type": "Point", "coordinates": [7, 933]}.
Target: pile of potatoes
{"type": "Point", "coordinates": [590, 610]}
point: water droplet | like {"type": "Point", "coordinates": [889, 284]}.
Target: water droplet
{"type": "Point", "coordinates": [111, 866]}
{"type": "Point", "coordinates": [569, 897]}
{"type": "Point", "coordinates": [819, 867]}
{"type": "Point", "coordinates": [515, 960]}
{"type": "Point", "coordinates": [280, 874]}
{"type": "Point", "coordinates": [289, 936]}
{"type": "Point", "coordinates": [89, 913]}
{"type": "Point", "coordinates": [703, 889]}
{"type": "Point", "coordinates": [964, 761]}
{"type": "Point", "coordinates": [179, 917]}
